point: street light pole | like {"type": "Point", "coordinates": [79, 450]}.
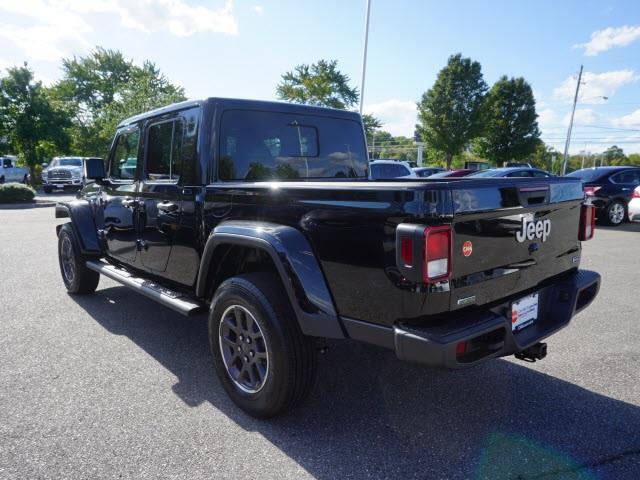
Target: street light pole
{"type": "Point", "coordinates": [364, 54]}
{"type": "Point", "coordinates": [573, 112]}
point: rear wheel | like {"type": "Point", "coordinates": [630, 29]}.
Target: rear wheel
{"type": "Point", "coordinates": [265, 363]}
{"type": "Point", "coordinates": [75, 274]}
{"type": "Point", "coordinates": [615, 213]}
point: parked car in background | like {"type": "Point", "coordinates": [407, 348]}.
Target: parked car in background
{"type": "Point", "coordinates": [634, 206]}
{"type": "Point", "coordinates": [517, 164]}
{"type": "Point", "coordinates": [63, 173]}
{"type": "Point", "coordinates": [427, 171]}
{"type": "Point", "coordinates": [383, 169]}
{"type": "Point", "coordinates": [610, 190]}
{"type": "Point", "coordinates": [512, 172]}
{"type": "Point", "coordinates": [461, 172]}
{"type": "Point", "coordinates": [10, 172]}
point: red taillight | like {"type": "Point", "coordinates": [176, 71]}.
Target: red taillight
{"type": "Point", "coordinates": [406, 251]}
{"type": "Point", "coordinates": [591, 191]}
{"type": "Point", "coordinates": [636, 193]}
{"type": "Point", "coordinates": [437, 254]}
{"type": "Point", "coordinates": [587, 222]}
{"type": "Point", "coordinates": [461, 348]}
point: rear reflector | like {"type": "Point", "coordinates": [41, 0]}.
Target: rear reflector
{"type": "Point", "coordinates": [437, 254]}
{"type": "Point", "coordinates": [406, 251]}
{"type": "Point", "coordinates": [587, 222]}
{"type": "Point", "coordinates": [591, 191]}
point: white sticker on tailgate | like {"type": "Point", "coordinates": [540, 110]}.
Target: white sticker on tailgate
{"type": "Point", "coordinates": [524, 312]}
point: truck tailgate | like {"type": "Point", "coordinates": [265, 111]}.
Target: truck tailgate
{"type": "Point", "coordinates": [511, 234]}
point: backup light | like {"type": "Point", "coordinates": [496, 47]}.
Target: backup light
{"type": "Point", "coordinates": [437, 254]}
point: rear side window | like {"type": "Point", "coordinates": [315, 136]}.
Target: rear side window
{"type": "Point", "coordinates": [520, 173]}
{"type": "Point", "coordinates": [258, 146]}
{"type": "Point", "coordinates": [628, 176]}
{"type": "Point", "coordinates": [6, 163]}
{"type": "Point", "coordinates": [163, 153]}
{"type": "Point", "coordinates": [124, 160]}
{"type": "Point", "coordinates": [587, 175]}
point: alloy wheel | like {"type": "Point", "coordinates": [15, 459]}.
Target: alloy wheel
{"type": "Point", "coordinates": [68, 259]}
{"type": "Point", "coordinates": [243, 348]}
{"type": "Point", "coordinates": [616, 213]}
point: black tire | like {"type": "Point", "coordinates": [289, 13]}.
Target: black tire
{"type": "Point", "coordinates": [25, 180]}
{"type": "Point", "coordinates": [615, 213]}
{"type": "Point", "coordinates": [1, 180]}
{"type": "Point", "coordinates": [47, 189]}
{"type": "Point", "coordinates": [291, 359]}
{"type": "Point", "coordinates": [75, 274]}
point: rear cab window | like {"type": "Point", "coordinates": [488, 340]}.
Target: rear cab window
{"type": "Point", "coordinates": [258, 146]}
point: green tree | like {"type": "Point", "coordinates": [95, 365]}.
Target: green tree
{"type": "Point", "coordinates": [634, 159]}
{"type": "Point", "coordinates": [30, 119]}
{"type": "Point", "coordinates": [103, 88]}
{"type": "Point", "coordinates": [614, 155]}
{"type": "Point", "coordinates": [510, 129]}
{"type": "Point", "coordinates": [320, 84]}
{"type": "Point", "coordinates": [543, 155]}
{"type": "Point", "coordinates": [449, 112]}
{"type": "Point", "coordinates": [371, 126]}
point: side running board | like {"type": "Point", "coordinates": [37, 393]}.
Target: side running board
{"type": "Point", "coordinates": [177, 301]}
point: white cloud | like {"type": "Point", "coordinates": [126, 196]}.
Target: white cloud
{"type": "Point", "coordinates": [594, 86]}
{"type": "Point", "coordinates": [61, 27]}
{"type": "Point", "coordinates": [547, 118]}
{"type": "Point", "coordinates": [603, 40]}
{"type": "Point", "coordinates": [398, 116]}
{"type": "Point", "coordinates": [631, 120]}
{"type": "Point", "coordinates": [583, 116]}
{"type": "Point", "coordinates": [258, 9]}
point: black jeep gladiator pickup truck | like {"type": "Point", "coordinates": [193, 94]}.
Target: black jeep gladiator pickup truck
{"type": "Point", "coordinates": [263, 214]}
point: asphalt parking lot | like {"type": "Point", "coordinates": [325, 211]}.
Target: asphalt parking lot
{"type": "Point", "coordinates": [114, 386]}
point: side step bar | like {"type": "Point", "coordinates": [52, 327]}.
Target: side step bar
{"type": "Point", "coordinates": [175, 300]}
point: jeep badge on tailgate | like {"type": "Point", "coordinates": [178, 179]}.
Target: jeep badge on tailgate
{"type": "Point", "coordinates": [531, 230]}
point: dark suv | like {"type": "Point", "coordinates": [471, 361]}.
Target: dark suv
{"type": "Point", "coordinates": [610, 189]}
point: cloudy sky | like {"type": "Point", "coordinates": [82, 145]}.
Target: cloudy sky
{"type": "Point", "coordinates": [240, 49]}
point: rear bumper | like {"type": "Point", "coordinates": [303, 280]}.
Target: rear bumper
{"type": "Point", "coordinates": [486, 334]}
{"type": "Point", "coordinates": [634, 210]}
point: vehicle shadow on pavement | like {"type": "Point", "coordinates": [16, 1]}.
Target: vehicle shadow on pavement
{"type": "Point", "coordinates": [371, 415]}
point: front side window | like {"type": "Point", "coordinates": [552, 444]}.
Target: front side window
{"type": "Point", "coordinates": [124, 160]}
{"type": "Point", "coordinates": [257, 146]}
{"type": "Point", "coordinates": [164, 149]}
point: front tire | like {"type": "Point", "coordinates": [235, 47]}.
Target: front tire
{"type": "Point", "coordinates": [76, 276]}
{"type": "Point", "coordinates": [47, 189]}
{"type": "Point", "coordinates": [615, 213]}
{"type": "Point", "coordinates": [265, 363]}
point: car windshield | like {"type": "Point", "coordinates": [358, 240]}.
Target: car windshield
{"type": "Point", "coordinates": [388, 170]}
{"type": "Point", "coordinates": [587, 175]}
{"type": "Point", "coordinates": [67, 162]}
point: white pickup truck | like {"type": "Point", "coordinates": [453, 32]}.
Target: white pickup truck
{"type": "Point", "coordinates": [9, 172]}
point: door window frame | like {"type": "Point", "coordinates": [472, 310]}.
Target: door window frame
{"type": "Point", "coordinates": [114, 145]}
{"type": "Point", "coordinates": [144, 169]}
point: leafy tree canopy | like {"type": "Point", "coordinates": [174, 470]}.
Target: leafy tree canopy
{"type": "Point", "coordinates": [30, 118]}
{"type": "Point", "coordinates": [320, 84]}
{"type": "Point", "coordinates": [449, 112]}
{"type": "Point", "coordinates": [510, 129]}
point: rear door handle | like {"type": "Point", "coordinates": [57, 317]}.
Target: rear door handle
{"type": "Point", "coordinates": [167, 207]}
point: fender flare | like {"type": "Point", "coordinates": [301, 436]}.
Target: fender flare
{"type": "Point", "coordinates": [80, 212]}
{"type": "Point", "coordinates": [297, 266]}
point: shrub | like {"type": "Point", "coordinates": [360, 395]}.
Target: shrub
{"type": "Point", "coordinates": [16, 193]}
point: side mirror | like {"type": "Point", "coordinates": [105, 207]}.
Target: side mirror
{"type": "Point", "coordinates": [94, 169]}
{"type": "Point", "coordinates": [45, 165]}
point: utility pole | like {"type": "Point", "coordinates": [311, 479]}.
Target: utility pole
{"type": "Point", "coordinates": [573, 112]}
{"type": "Point", "coordinates": [364, 54]}
{"type": "Point", "coordinates": [420, 152]}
